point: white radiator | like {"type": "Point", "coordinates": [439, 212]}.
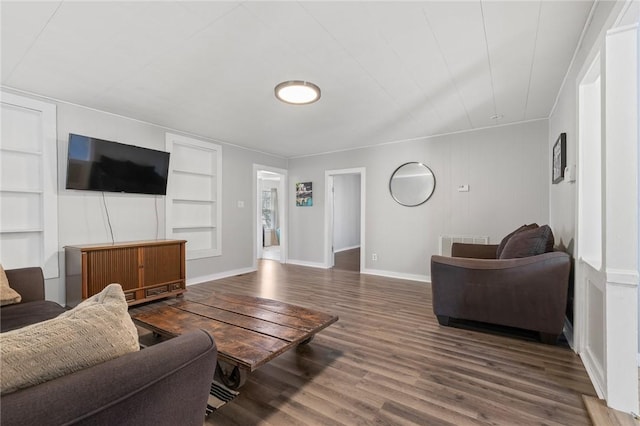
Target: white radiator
{"type": "Point", "coordinates": [446, 241]}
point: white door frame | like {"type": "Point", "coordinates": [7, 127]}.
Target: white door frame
{"type": "Point", "coordinates": [328, 213]}
{"type": "Point", "coordinates": [257, 214]}
{"type": "Point", "coordinates": [590, 72]}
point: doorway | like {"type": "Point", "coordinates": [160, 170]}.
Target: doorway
{"type": "Point", "coordinates": [344, 219]}
{"type": "Point", "coordinates": [270, 214]}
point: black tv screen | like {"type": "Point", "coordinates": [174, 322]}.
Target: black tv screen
{"type": "Point", "coordinates": [100, 165]}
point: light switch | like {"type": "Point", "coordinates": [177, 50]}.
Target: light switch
{"type": "Point", "coordinates": [570, 173]}
{"type": "Point", "coordinates": [463, 188]}
{"type": "Point", "coordinates": [240, 204]}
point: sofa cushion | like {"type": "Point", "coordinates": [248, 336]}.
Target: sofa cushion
{"type": "Point", "coordinates": [505, 240]}
{"type": "Point", "coordinates": [22, 314]}
{"type": "Point", "coordinates": [529, 243]}
{"type": "Point", "coordinates": [97, 330]}
{"type": "Point", "coordinates": [8, 295]}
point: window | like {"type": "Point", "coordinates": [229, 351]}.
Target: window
{"type": "Point", "coordinates": [267, 210]}
{"type": "Point", "coordinates": [193, 194]}
{"type": "Point", "coordinates": [28, 185]}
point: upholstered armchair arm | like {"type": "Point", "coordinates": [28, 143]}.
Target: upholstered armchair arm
{"type": "Point", "coordinates": [476, 251]}
{"type": "Point", "coordinates": [529, 293]}
{"type": "Point", "coordinates": [28, 282]}
{"type": "Point", "coordinates": [164, 384]}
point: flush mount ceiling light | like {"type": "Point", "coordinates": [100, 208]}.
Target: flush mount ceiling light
{"type": "Point", "coordinates": [297, 92]}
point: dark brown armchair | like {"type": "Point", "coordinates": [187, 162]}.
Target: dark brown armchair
{"type": "Point", "coordinates": [526, 292]}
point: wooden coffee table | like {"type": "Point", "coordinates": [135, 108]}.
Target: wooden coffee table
{"type": "Point", "coordinates": [249, 331]}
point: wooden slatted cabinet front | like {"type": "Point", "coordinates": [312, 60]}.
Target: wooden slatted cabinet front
{"type": "Point", "coordinates": [146, 270]}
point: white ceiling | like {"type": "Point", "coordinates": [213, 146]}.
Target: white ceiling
{"type": "Point", "coordinates": [388, 71]}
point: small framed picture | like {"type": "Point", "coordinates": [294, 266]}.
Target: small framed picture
{"type": "Point", "coordinates": [304, 194]}
{"type": "Point", "coordinates": [559, 158]}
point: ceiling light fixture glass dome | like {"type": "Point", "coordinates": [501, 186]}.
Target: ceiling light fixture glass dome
{"type": "Point", "coordinates": [297, 92]}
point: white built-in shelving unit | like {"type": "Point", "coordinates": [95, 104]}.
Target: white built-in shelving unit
{"type": "Point", "coordinates": [193, 195]}
{"type": "Point", "coordinates": [28, 185]}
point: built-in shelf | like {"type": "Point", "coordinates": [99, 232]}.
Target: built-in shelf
{"type": "Point", "coordinates": [29, 219]}
{"type": "Point", "coordinates": [20, 230]}
{"type": "Point", "coordinates": [192, 201]}
{"type": "Point", "coordinates": [191, 228]}
{"type": "Point", "coordinates": [20, 151]}
{"type": "Point", "coordinates": [21, 190]}
{"type": "Point", "coordinates": [188, 172]}
{"type": "Point", "coordinates": [192, 198]}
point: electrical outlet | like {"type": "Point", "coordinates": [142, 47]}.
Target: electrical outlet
{"type": "Point", "coordinates": [374, 257]}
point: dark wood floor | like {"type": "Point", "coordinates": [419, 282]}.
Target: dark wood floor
{"type": "Point", "coordinates": [388, 362]}
{"type": "Point", "coordinates": [347, 260]}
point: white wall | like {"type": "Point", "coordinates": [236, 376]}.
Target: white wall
{"type": "Point", "coordinates": [346, 216]}
{"type": "Point", "coordinates": [268, 184]}
{"type": "Point", "coordinates": [506, 168]}
{"type": "Point", "coordinates": [632, 15]}
{"type": "Point", "coordinates": [619, 373]}
{"type": "Point", "coordinates": [562, 197]}
{"type": "Point", "coordinates": [81, 214]}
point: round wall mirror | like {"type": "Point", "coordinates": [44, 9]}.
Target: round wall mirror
{"type": "Point", "coordinates": [412, 184]}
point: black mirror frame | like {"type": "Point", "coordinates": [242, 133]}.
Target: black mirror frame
{"type": "Point", "coordinates": [423, 201]}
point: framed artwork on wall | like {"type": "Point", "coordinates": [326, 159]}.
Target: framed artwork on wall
{"type": "Point", "coordinates": [304, 194]}
{"type": "Point", "coordinates": [559, 158]}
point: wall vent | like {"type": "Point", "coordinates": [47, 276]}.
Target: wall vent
{"type": "Point", "coordinates": [447, 240]}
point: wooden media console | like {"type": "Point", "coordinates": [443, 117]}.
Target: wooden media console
{"type": "Point", "coordinates": [146, 270]}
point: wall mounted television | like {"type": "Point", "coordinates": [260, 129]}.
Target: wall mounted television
{"type": "Point", "coordinates": [99, 165]}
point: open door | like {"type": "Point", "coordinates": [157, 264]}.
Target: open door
{"type": "Point", "coordinates": [270, 217]}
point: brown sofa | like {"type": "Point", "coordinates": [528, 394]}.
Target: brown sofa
{"type": "Point", "coordinates": [528, 292]}
{"type": "Point", "coordinates": [29, 283]}
{"type": "Point", "coordinates": [165, 384]}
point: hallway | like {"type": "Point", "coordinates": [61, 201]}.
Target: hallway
{"type": "Point", "coordinates": [347, 260]}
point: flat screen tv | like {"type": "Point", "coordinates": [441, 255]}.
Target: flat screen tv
{"type": "Point", "coordinates": [100, 165]}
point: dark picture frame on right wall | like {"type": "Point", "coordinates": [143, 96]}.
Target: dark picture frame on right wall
{"type": "Point", "coordinates": [559, 158]}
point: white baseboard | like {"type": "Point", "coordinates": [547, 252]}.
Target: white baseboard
{"type": "Point", "coordinates": [381, 273]}
{"type": "Point", "coordinates": [594, 371]}
{"type": "Point", "coordinates": [346, 248]}
{"type": "Point", "coordinates": [398, 275]}
{"type": "Point", "coordinates": [225, 274]}
{"type": "Point", "coordinates": [307, 263]}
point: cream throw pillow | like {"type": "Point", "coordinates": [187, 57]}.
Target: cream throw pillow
{"type": "Point", "coordinates": [95, 331]}
{"type": "Point", "coordinates": [8, 295]}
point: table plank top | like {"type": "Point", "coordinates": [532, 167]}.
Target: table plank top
{"type": "Point", "coordinates": [249, 331]}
